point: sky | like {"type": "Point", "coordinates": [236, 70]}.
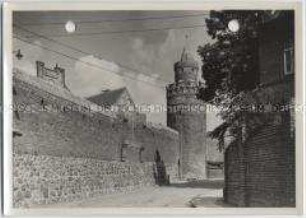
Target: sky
{"type": "Point", "coordinates": [111, 49]}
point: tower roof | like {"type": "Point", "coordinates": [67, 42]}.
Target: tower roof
{"type": "Point", "coordinates": [187, 60]}
{"type": "Point", "coordinates": [186, 56]}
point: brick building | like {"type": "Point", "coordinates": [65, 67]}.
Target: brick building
{"type": "Point", "coordinates": [260, 169]}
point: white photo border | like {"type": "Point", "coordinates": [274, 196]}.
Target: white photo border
{"type": "Point", "coordinates": [11, 6]}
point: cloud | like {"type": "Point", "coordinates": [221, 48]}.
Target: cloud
{"type": "Point", "coordinates": [88, 80]}
{"type": "Point", "coordinates": [91, 75]}
{"type": "Point", "coordinates": [146, 90]}
{"type": "Point", "coordinates": [111, 66]}
{"type": "Point", "coordinates": [144, 55]}
{"type": "Point", "coordinates": [160, 58]}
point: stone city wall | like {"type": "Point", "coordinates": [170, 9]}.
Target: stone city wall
{"type": "Point", "coordinates": [48, 129]}
{"type": "Point", "coordinates": [47, 135]}
{"type": "Point", "coordinates": [45, 179]}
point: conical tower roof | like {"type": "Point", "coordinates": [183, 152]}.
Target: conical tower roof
{"type": "Point", "coordinates": [187, 60]}
{"type": "Point", "coordinates": [186, 56]}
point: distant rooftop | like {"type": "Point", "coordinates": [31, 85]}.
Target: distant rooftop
{"type": "Point", "coordinates": [108, 97]}
{"type": "Point", "coordinates": [57, 90]}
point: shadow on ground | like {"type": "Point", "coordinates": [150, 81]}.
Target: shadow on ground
{"type": "Point", "coordinates": [201, 201]}
{"type": "Point", "coordinates": [207, 184]}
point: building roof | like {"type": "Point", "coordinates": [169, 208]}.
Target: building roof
{"type": "Point", "coordinates": [109, 97]}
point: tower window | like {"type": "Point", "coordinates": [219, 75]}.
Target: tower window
{"type": "Point", "coordinates": [288, 58]}
{"type": "Point", "coordinates": [123, 150]}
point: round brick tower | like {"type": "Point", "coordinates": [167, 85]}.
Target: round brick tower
{"type": "Point", "coordinates": [186, 114]}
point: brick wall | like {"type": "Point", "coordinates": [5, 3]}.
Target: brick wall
{"type": "Point", "coordinates": [44, 179]}
{"type": "Point", "coordinates": [270, 174]}
{"type": "Point", "coordinates": [262, 173]}
{"type": "Point", "coordinates": [234, 176]}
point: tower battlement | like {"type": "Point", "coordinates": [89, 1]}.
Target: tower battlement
{"type": "Point", "coordinates": [182, 89]}
{"type": "Point", "coordinates": [186, 70]}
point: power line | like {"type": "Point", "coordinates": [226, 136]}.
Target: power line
{"type": "Point", "coordinates": [85, 62]}
{"type": "Point", "coordinates": [120, 20]}
{"type": "Point", "coordinates": [76, 49]}
{"type": "Point", "coordinates": [52, 40]}
{"type": "Point", "coordinates": [126, 31]}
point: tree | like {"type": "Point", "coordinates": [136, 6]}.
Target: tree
{"type": "Point", "coordinates": [230, 67]}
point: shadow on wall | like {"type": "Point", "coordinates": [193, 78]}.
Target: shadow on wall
{"type": "Point", "coordinates": [160, 172]}
{"type": "Point", "coordinates": [207, 184]}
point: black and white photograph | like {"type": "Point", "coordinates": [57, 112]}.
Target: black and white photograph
{"type": "Point", "coordinates": [192, 109]}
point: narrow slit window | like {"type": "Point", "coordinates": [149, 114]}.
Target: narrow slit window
{"type": "Point", "coordinates": [288, 58]}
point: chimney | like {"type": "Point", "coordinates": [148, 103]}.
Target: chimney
{"type": "Point", "coordinates": [55, 75]}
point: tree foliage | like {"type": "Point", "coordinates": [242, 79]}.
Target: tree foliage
{"type": "Point", "coordinates": [230, 67]}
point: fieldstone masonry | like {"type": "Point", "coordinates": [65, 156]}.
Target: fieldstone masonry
{"type": "Point", "coordinates": [66, 150]}
{"type": "Point", "coordinates": [45, 179]}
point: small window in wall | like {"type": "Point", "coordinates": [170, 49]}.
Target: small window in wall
{"type": "Point", "coordinates": [16, 133]}
{"type": "Point", "coordinates": [43, 104]}
{"type": "Point", "coordinates": [292, 119]}
{"type": "Point", "coordinates": [288, 58]}
{"type": "Point", "coordinates": [14, 91]}
{"type": "Point", "coordinates": [123, 150]}
{"type": "Point", "coordinates": [16, 113]}
{"type": "Point", "coordinates": [140, 154]}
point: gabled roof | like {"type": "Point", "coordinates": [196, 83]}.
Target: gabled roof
{"type": "Point", "coordinates": [108, 98]}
